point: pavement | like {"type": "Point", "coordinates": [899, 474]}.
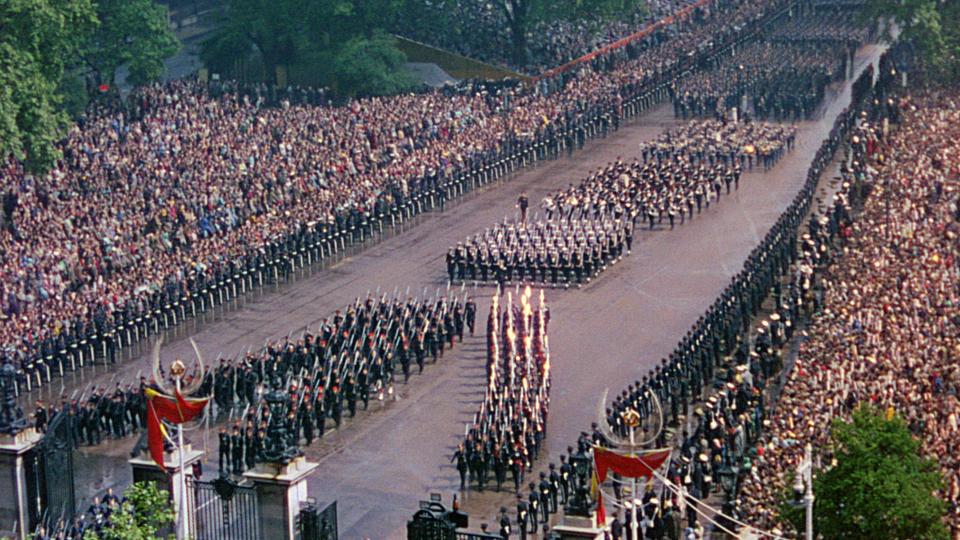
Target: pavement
{"type": "Point", "coordinates": [605, 335]}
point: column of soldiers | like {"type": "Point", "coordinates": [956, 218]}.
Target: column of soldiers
{"type": "Point", "coordinates": [825, 28]}
{"type": "Point", "coordinates": [781, 77]}
{"type": "Point", "coordinates": [352, 357]}
{"type": "Point", "coordinates": [507, 432]}
{"type": "Point", "coordinates": [783, 82]}
{"type": "Point", "coordinates": [556, 251]}
{"type": "Point", "coordinates": [719, 370]}
{"type": "Point", "coordinates": [100, 416]}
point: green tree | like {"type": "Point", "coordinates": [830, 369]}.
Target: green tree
{"type": "Point", "coordinates": [133, 32]}
{"type": "Point", "coordinates": [932, 25]}
{"type": "Point", "coordinates": [323, 35]}
{"type": "Point", "coordinates": [144, 513]}
{"type": "Point", "coordinates": [371, 67]}
{"type": "Point", "coordinates": [38, 39]}
{"type": "Point", "coordinates": [276, 29]}
{"type": "Point", "coordinates": [879, 487]}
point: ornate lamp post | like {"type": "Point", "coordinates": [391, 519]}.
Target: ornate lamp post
{"type": "Point", "coordinates": [728, 480]}
{"type": "Point", "coordinates": [279, 447]}
{"type": "Point", "coordinates": [12, 421]}
{"type": "Point", "coordinates": [579, 504]}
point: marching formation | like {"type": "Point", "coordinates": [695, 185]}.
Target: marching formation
{"type": "Point", "coordinates": [734, 144]}
{"type": "Point", "coordinates": [782, 77]}
{"type": "Point", "coordinates": [351, 359]}
{"type": "Point", "coordinates": [555, 251]}
{"type": "Point", "coordinates": [507, 431]}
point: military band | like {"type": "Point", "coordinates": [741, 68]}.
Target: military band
{"type": "Point", "coordinates": [507, 433]}
{"type": "Point", "coordinates": [555, 252]}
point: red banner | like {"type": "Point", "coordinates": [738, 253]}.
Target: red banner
{"type": "Point", "coordinates": [175, 411]}
{"type": "Point", "coordinates": [641, 466]}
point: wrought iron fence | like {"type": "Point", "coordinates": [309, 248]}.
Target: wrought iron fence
{"type": "Point", "coordinates": [222, 510]}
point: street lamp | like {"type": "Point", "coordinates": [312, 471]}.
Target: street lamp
{"type": "Point", "coordinates": [803, 489]}
{"type": "Point", "coordinates": [579, 503]}
{"type": "Point", "coordinates": [728, 480]}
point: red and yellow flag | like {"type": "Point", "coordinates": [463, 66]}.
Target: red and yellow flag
{"type": "Point", "coordinates": [174, 410]}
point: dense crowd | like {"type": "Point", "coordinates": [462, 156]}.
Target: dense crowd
{"type": "Point", "coordinates": [555, 251]}
{"type": "Point", "coordinates": [888, 331]}
{"type": "Point", "coordinates": [507, 432]}
{"type": "Point", "coordinates": [480, 30]}
{"type": "Point", "coordinates": [155, 203]}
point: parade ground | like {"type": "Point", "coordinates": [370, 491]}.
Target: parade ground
{"type": "Point", "coordinates": [378, 465]}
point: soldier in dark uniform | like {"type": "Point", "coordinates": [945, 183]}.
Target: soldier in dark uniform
{"type": "Point", "coordinates": [523, 513]}
{"type": "Point", "coordinates": [535, 509]}
{"type": "Point", "coordinates": [461, 458]}
{"type": "Point", "coordinates": [545, 500]}
{"type": "Point", "coordinates": [350, 394]}
{"type": "Point", "coordinates": [236, 449]}
{"type": "Point", "coordinates": [504, 524]}
{"type": "Point", "coordinates": [306, 421]}
{"type": "Point", "coordinates": [523, 203]}
{"type": "Point", "coordinates": [40, 417]}
{"type": "Point", "coordinates": [470, 312]}
{"type": "Point", "coordinates": [250, 448]}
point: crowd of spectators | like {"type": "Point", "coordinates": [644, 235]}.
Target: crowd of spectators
{"type": "Point", "coordinates": [153, 201]}
{"type": "Point", "coordinates": [888, 331]}
{"type": "Point", "coordinates": [480, 30]}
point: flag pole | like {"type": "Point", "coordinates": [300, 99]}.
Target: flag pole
{"type": "Point", "coordinates": [182, 532]}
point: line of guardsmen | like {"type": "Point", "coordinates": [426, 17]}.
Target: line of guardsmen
{"type": "Point", "coordinates": [560, 251]}
{"type": "Point", "coordinates": [353, 355]}
{"type": "Point", "coordinates": [721, 358]}
{"type": "Point", "coordinates": [92, 419]}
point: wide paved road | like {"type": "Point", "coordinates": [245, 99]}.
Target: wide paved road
{"type": "Point", "coordinates": [606, 335]}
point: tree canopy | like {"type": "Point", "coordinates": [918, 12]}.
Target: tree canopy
{"type": "Point", "coordinates": [145, 511]}
{"type": "Point", "coordinates": [880, 486]}
{"type": "Point", "coordinates": [933, 26]}
{"type": "Point", "coordinates": [327, 37]}
{"type": "Point", "coordinates": [38, 40]}
{"type": "Point", "coordinates": [133, 32]}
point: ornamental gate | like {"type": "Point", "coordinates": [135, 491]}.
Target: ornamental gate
{"type": "Point", "coordinates": [222, 510]}
{"type": "Point", "coordinates": [57, 448]}
{"type": "Point", "coordinates": [430, 524]}
{"type": "Point", "coordinates": [317, 525]}
{"type": "Point", "coordinates": [49, 475]}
